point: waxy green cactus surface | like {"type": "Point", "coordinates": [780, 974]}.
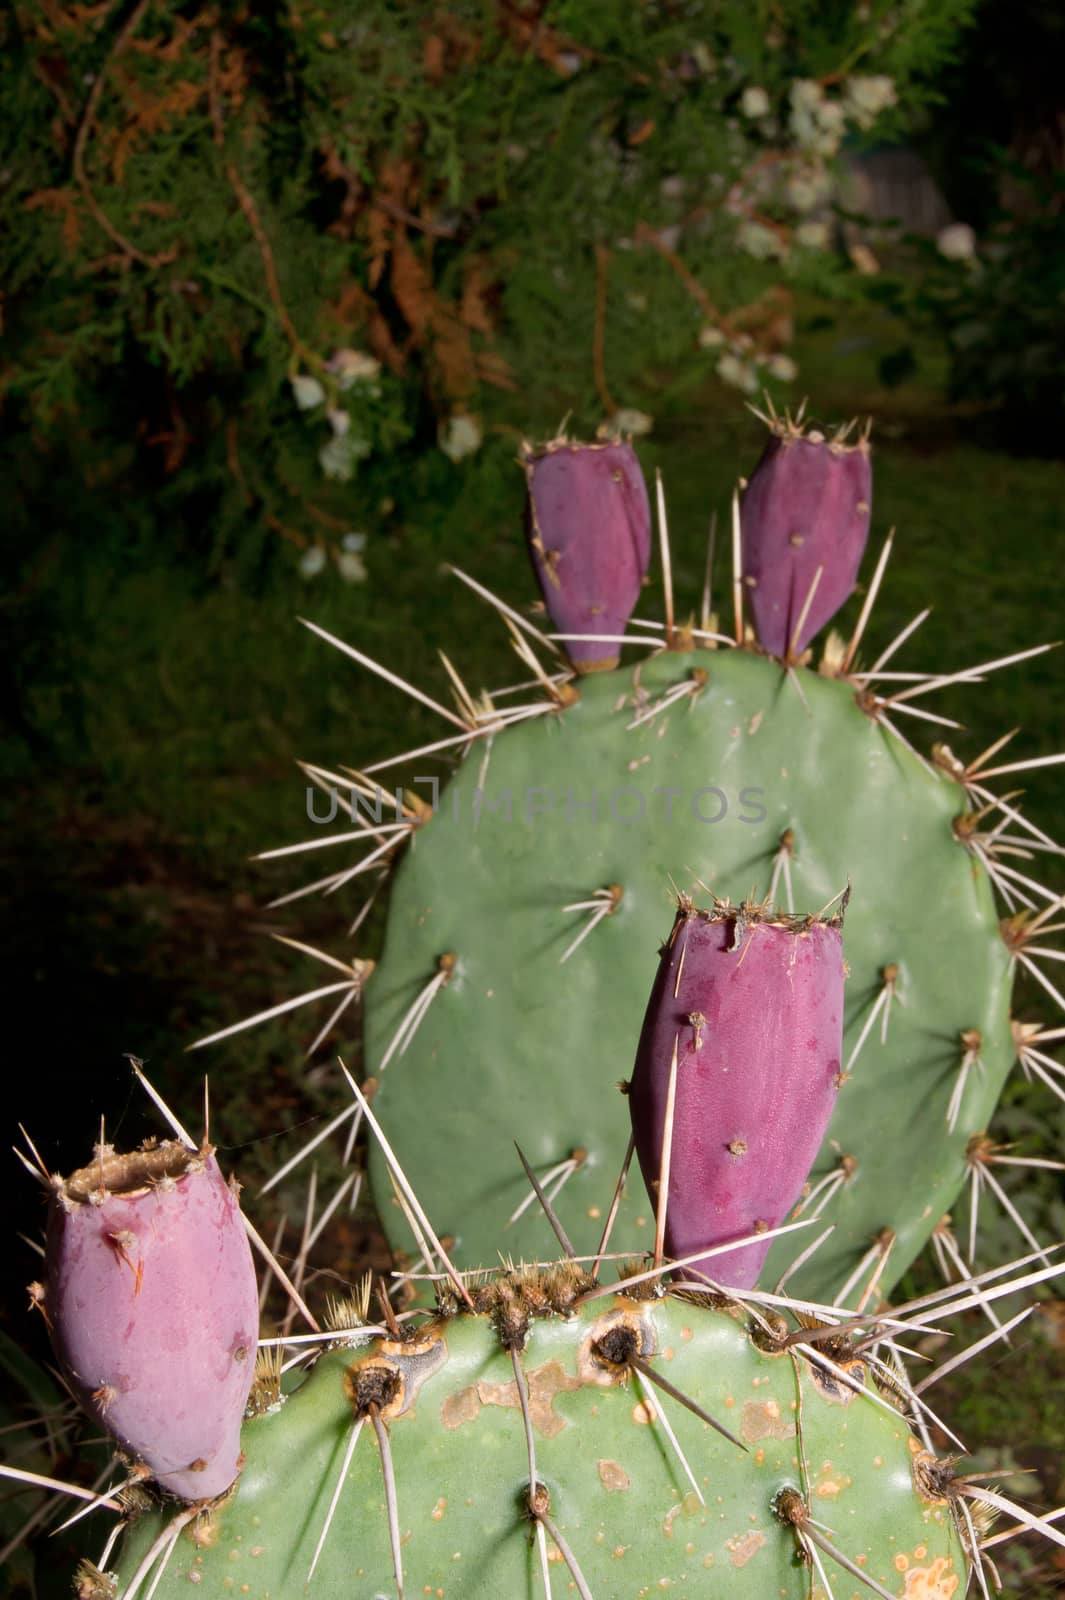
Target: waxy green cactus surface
{"type": "Point", "coordinates": [617, 1491]}
{"type": "Point", "coordinates": [748, 766]}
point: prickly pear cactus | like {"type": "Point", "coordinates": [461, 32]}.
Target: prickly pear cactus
{"type": "Point", "coordinates": [527, 901]}
{"type": "Point", "coordinates": [733, 781]}
{"type": "Point", "coordinates": [404, 1466]}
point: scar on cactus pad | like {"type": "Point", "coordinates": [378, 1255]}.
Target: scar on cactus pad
{"type": "Point", "coordinates": [541, 1431]}
{"type": "Point", "coordinates": [522, 908]}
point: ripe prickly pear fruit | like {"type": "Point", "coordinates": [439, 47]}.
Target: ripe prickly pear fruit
{"type": "Point", "coordinates": [588, 523]}
{"type": "Point", "coordinates": [805, 520]}
{"type": "Point", "coordinates": [745, 1021]}
{"type": "Point", "coordinates": [153, 1308]}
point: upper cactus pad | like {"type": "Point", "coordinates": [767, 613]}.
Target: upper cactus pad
{"type": "Point", "coordinates": [728, 784]}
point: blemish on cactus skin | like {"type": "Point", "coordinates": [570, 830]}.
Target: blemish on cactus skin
{"type": "Point", "coordinates": [831, 1488]}
{"type": "Point", "coordinates": [544, 1383]}
{"type": "Point", "coordinates": [613, 1477]}
{"type": "Point", "coordinates": [741, 1547]}
{"type": "Point", "coordinates": [690, 1506]}
{"type": "Point", "coordinates": [402, 1369]}
{"type": "Point", "coordinates": [835, 1388]}
{"type": "Point", "coordinates": [762, 1420]}
{"type": "Point", "coordinates": [460, 1408]}
{"type": "Point", "coordinates": [938, 1581]}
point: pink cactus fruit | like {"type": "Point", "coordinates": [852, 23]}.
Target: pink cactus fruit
{"type": "Point", "coordinates": [804, 520]}
{"type": "Point", "coordinates": [588, 522]}
{"type": "Point", "coordinates": [152, 1303]}
{"type": "Point", "coordinates": [752, 1001]}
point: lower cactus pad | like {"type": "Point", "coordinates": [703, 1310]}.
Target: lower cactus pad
{"type": "Point", "coordinates": [615, 1492]}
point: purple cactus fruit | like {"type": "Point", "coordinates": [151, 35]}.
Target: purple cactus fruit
{"type": "Point", "coordinates": [805, 508]}
{"type": "Point", "coordinates": [153, 1307]}
{"type": "Point", "coordinates": [753, 1002]}
{"type": "Point", "coordinates": [588, 522]}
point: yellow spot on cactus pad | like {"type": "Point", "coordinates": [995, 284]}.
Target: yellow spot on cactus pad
{"type": "Point", "coordinates": [688, 1507]}
{"type": "Point", "coordinates": [741, 1547]}
{"type": "Point", "coordinates": [544, 1383]}
{"type": "Point", "coordinates": [762, 1420]}
{"type": "Point", "coordinates": [830, 1488]}
{"type": "Point", "coordinates": [613, 1477]}
{"type": "Point", "coordinates": [936, 1582]}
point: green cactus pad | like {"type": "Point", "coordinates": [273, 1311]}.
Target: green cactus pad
{"type": "Point", "coordinates": [519, 1045]}
{"type": "Point", "coordinates": [618, 1493]}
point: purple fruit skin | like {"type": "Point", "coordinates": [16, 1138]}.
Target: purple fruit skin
{"type": "Point", "coordinates": [762, 1079]}
{"type": "Point", "coordinates": [168, 1320]}
{"type": "Point", "coordinates": [803, 489]}
{"type": "Point", "coordinates": [589, 527]}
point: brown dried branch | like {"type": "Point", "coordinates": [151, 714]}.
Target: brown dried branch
{"type": "Point", "coordinates": [246, 201]}
{"type": "Point", "coordinates": [401, 214]}
{"type": "Point", "coordinates": [81, 141]}
{"type": "Point", "coordinates": [645, 234]}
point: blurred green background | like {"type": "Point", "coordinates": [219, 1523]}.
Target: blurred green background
{"type": "Point", "coordinates": [283, 289]}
